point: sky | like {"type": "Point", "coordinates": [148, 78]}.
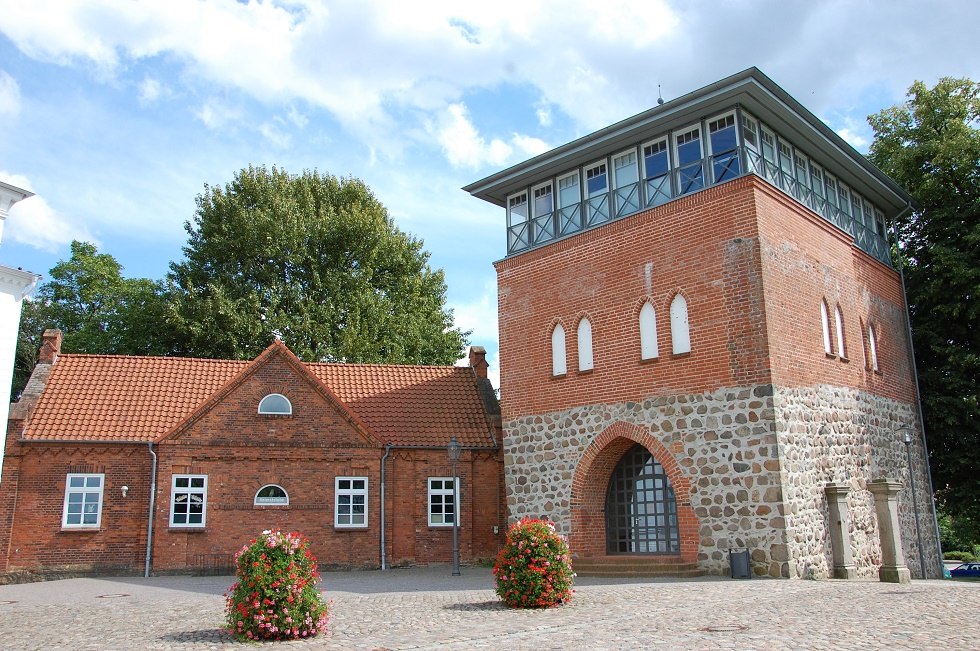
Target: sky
{"type": "Point", "coordinates": [117, 113]}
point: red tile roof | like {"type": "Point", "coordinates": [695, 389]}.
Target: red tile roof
{"type": "Point", "coordinates": [124, 398]}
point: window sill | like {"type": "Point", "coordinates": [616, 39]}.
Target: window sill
{"type": "Point", "coordinates": [587, 371]}
{"type": "Point", "coordinates": [680, 355]}
{"type": "Point", "coordinates": [89, 529]}
{"type": "Point", "coordinates": [830, 355]}
{"type": "Point", "coordinates": [649, 360]}
{"type": "Point", "coordinates": [442, 527]}
{"type": "Point", "coordinates": [844, 359]}
{"type": "Point", "coordinates": [179, 529]}
{"type": "Point", "coordinates": [559, 377]}
{"type": "Point", "coordinates": [271, 507]}
{"type": "Point", "coordinates": [344, 527]}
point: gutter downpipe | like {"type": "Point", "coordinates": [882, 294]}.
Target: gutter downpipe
{"type": "Point", "coordinates": [384, 459]}
{"type": "Point", "coordinates": [918, 394]}
{"type": "Point", "coordinates": [149, 525]}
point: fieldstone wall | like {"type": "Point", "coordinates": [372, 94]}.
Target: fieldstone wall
{"type": "Point", "coordinates": [724, 442]}
{"type": "Point", "coordinates": [757, 462]}
{"type": "Point", "coordinates": [835, 434]}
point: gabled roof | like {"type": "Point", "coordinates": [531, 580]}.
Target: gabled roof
{"type": "Point", "coordinates": [276, 349]}
{"type": "Point", "coordinates": [142, 399]}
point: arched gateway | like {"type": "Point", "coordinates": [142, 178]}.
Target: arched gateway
{"type": "Point", "coordinates": [629, 496]}
{"type": "Point", "coordinates": [641, 512]}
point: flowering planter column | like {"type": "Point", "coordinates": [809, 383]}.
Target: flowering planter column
{"type": "Point", "coordinates": [893, 569]}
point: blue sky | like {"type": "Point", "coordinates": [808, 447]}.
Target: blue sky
{"type": "Point", "coordinates": [117, 113]}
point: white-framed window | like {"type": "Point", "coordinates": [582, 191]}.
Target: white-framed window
{"type": "Point", "coordinates": [880, 223]}
{"type": "Point", "coordinates": [569, 193]}
{"type": "Point", "coordinates": [648, 332]}
{"type": "Point", "coordinates": [750, 132]}
{"type": "Point", "coordinates": [624, 168]}
{"type": "Point", "coordinates": [517, 209]}
{"type": "Point", "coordinates": [544, 199]}
{"type": "Point", "coordinates": [188, 500]}
{"type": "Point", "coordinates": [785, 158]}
{"type": "Point", "coordinates": [828, 346]}
{"type": "Point", "coordinates": [584, 336]}
{"type": "Point", "coordinates": [596, 181]}
{"type": "Point", "coordinates": [839, 324]}
{"type": "Point", "coordinates": [872, 349]}
{"type": "Point", "coordinates": [271, 495]}
{"type": "Point", "coordinates": [443, 509]}
{"type": "Point", "coordinates": [351, 502]}
{"type": "Point", "coordinates": [816, 179]}
{"type": "Point", "coordinates": [275, 404]}
{"type": "Point", "coordinates": [723, 143]}
{"type": "Point", "coordinates": [689, 157]}
{"type": "Point", "coordinates": [830, 184]}
{"type": "Point", "coordinates": [844, 196]}
{"type": "Point", "coordinates": [680, 331]}
{"type": "Point", "coordinates": [83, 500]}
{"type": "Point", "coordinates": [656, 172]}
{"type": "Point", "coordinates": [558, 362]}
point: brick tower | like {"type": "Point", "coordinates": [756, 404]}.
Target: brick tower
{"type": "Point", "coordinates": [700, 332]}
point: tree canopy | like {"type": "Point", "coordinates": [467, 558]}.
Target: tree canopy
{"type": "Point", "coordinates": [931, 145]}
{"type": "Point", "coordinates": [314, 260]}
{"type": "Point", "coordinates": [96, 308]}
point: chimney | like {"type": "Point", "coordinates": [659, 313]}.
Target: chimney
{"type": "Point", "coordinates": [478, 361]}
{"type": "Point", "coordinates": [50, 347]}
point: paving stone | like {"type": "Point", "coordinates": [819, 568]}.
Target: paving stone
{"type": "Point", "coordinates": [426, 608]}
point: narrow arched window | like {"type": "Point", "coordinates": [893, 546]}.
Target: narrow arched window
{"type": "Point", "coordinates": [680, 332]}
{"type": "Point", "coordinates": [872, 349]}
{"type": "Point", "coordinates": [648, 332]}
{"type": "Point", "coordinates": [839, 325]}
{"type": "Point", "coordinates": [558, 351]}
{"type": "Point", "coordinates": [275, 404]}
{"type": "Point", "coordinates": [271, 494]}
{"type": "Point", "coordinates": [825, 322]}
{"type": "Point", "coordinates": [584, 345]}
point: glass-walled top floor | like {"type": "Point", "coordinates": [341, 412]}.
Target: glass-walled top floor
{"type": "Point", "coordinates": [713, 150]}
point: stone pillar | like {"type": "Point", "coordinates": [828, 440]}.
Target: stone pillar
{"type": "Point", "coordinates": [893, 569]}
{"type": "Point", "coordinates": [840, 542]}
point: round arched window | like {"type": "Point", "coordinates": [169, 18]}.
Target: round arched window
{"type": "Point", "coordinates": [275, 404]}
{"type": "Point", "coordinates": [271, 494]}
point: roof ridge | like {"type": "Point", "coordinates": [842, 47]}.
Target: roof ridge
{"type": "Point", "coordinates": [167, 357]}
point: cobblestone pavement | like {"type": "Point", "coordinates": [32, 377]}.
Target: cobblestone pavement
{"type": "Point", "coordinates": [427, 609]}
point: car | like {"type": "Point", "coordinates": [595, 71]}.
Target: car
{"type": "Point", "coordinates": [966, 570]}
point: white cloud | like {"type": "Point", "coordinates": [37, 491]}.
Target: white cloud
{"type": "Point", "coordinates": [152, 90]}
{"type": "Point", "coordinates": [215, 114]}
{"type": "Point", "coordinates": [275, 135]}
{"type": "Point", "coordinates": [853, 138]}
{"type": "Point", "coordinates": [480, 316]}
{"type": "Point", "coordinates": [35, 223]}
{"type": "Point", "coordinates": [463, 145]}
{"type": "Point", "coordinates": [9, 96]}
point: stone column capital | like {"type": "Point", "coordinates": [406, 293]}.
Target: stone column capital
{"type": "Point", "coordinates": [837, 489]}
{"type": "Point", "coordinates": [885, 486]}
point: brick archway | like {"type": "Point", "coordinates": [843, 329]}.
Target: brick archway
{"type": "Point", "coordinates": [588, 501]}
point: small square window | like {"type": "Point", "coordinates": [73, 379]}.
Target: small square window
{"type": "Point", "coordinates": [188, 501]}
{"type": "Point", "coordinates": [83, 501]}
{"type": "Point", "coordinates": [443, 509]}
{"type": "Point", "coordinates": [351, 502]}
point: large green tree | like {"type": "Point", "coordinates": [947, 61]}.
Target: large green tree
{"type": "Point", "coordinates": [931, 145]}
{"type": "Point", "coordinates": [97, 309]}
{"type": "Point", "coordinates": [314, 260]}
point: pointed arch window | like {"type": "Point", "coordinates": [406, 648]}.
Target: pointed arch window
{"type": "Point", "coordinates": [839, 325]}
{"type": "Point", "coordinates": [584, 345]}
{"type": "Point", "coordinates": [275, 404]}
{"type": "Point", "coordinates": [648, 332]}
{"type": "Point", "coordinates": [680, 333]}
{"type": "Point", "coordinates": [828, 346]}
{"type": "Point", "coordinates": [558, 363]}
{"type": "Point", "coordinates": [872, 350]}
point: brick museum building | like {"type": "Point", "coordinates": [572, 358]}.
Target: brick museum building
{"type": "Point", "coordinates": [119, 464]}
{"type": "Point", "coordinates": [704, 344]}
{"type": "Point", "coordinates": [703, 347]}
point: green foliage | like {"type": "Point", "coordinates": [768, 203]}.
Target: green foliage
{"type": "Point", "coordinates": [534, 568]}
{"type": "Point", "coordinates": [275, 596]}
{"type": "Point", "coordinates": [931, 145]}
{"type": "Point", "coordinates": [97, 310]}
{"type": "Point", "coordinates": [314, 260]}
{"type": "Point", "coordinates": [966, 557]}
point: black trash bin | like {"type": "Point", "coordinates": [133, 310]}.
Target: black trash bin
{"type": "Point", "coordinates": [738, 561]}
